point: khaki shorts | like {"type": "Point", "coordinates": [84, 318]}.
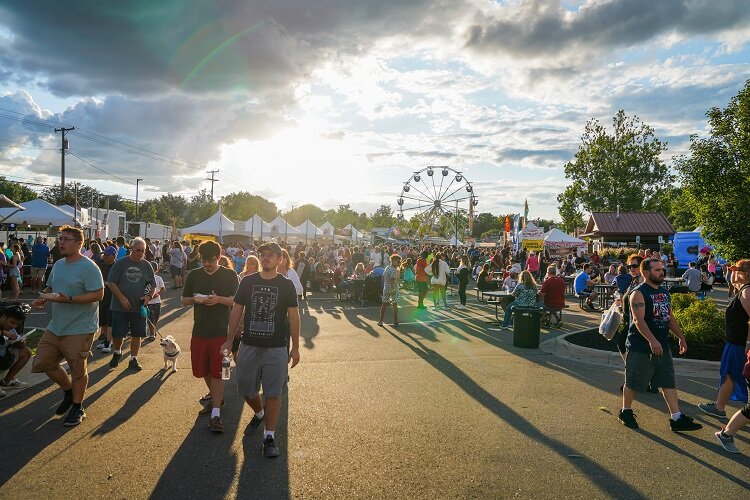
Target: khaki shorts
{"type": "Point", "coordinates": [75, 349]}
{"type": "Point", "coordinates": [38, 272]}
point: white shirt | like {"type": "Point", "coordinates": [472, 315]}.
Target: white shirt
{"type": "Point", "coordinates": [294, 278]}
{"type": "Point", "coordinates": [159, 285]}
{"type": "Point", "coordinates": [441, 278]}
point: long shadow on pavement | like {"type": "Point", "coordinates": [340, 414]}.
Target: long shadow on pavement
{"type": "Point", "coordinates": [603, 478]}
{"type": "Point", "coordinates": [261, 477]}
{"type": "Point", "coordinates": [139, 397]}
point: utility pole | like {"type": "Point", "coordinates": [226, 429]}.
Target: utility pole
{"type": "Point", "coordinates": [63, 146]}
{"type": "Point", "coordinates": [137, 182]}
{"type": "Point", "coordinates": [212, 172]}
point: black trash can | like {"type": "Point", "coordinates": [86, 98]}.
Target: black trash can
{"type": "Point", "coordinates": [526, 326]}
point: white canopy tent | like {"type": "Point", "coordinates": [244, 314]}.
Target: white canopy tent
{"type": "Point", "coordinates": [310, 230]}
{"type": "Point", "coordinates": [557, 242]}
{"type": "Point", "coordinates": [328, 230]}
{"type": "Point", "coordinates": [356, 234]}
{"type": "Point", "coordinates": [256, 228]}
{"type": "Point", "coordinates": [217, 225]}
{"type": "Point", "coordinates": [454, 242]}
{"type": "Point", "coordinates": [279, 228]}
{"type": "Point", "coordinates": [37, 213]}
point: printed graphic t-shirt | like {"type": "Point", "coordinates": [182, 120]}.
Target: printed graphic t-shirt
{"type": "Point", "coordinates": [131, 278]}
{"type": "Point", "coordinates": [266, 303]}
{"type": "Point", "coordinates": [658, 311]}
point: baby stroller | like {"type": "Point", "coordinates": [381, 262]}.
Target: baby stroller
{"type": "Point", "coordinates": [372, 291]}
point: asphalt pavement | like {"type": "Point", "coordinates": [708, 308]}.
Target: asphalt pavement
{"type": "Point", "coordinates": [441, 407]}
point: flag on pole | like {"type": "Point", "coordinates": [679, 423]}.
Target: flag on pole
{"type": "Point", "coordinates": [525, 212]}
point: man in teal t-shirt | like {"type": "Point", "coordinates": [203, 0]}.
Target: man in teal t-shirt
{"type": "Point", "coordinates": [74, 287]}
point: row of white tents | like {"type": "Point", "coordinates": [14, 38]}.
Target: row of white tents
{"type": "Point", "coordinates": [256, 228]}
{"type": "Point", "coordinates": [41, 213]}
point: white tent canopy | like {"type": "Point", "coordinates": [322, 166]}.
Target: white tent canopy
{"type": "Point", "coordinates": [356, 234]}
{"type": "Point", "coordinates": [556, 238]}
{"type": "Point", "coordinates": [455, 242]}
{"type": "Point", "coordinates": [37, 213]}
{"type": "Point", "coordinates": [255, 227]}
{"type": "Point", "coordinates": [279, 228]}
{"type": "Point", "coordinates": [328, 230]}
{"type": "Point", "coordinates": [310, 230]}
{"type": "Point", "coordinates": [216, 225]}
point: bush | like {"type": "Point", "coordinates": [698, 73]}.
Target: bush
{"type": "Point", "coordinates": [701, 320]}
{"type": "Point", "coordinates": [682, 301]}
{"type": "Point", "coordinates": [612, 253]}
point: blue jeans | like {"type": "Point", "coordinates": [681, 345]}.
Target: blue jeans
{"type": "Point", "coordinates": [508, 314]}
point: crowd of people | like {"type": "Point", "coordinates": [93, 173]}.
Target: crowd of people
{"type": "Point", "coordinates": [246, 297]}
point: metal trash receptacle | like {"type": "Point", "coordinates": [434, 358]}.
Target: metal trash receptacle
{"type": "Point", "coordinates": [526, 325]}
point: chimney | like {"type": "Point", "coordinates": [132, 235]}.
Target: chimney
{"type": "Point", "coordinates": [617, 215]}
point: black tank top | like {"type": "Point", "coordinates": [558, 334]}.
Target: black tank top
{"type": "Point", "coordinates": [736, 320]}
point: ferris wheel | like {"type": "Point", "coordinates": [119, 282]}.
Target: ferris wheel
{"type": "Point", "coordinates": [434, 192]}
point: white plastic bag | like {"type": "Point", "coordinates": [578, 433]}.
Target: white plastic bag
{"type": "Point", "coordinates": [611, 320]}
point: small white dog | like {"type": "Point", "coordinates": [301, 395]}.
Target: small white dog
{"type": "Point", "coordinates": [171, 352]}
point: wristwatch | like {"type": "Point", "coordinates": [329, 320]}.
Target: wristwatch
{"type": "Point", "coordinates": [70, 299]}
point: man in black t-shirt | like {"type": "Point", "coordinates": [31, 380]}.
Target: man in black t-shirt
{"type": "Point", "coordinates": [269, 302]}
{"type": "Point", "coordinates": [648, 358]}
{"type": "Point", "coordinates": [210, 289]}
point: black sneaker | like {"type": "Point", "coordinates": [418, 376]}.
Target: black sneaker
{"type": "Point", "coordinates": [67, 402]}
{"type": "Point", "coordinates": [269, 447]}
{"type": "Point", "coordinates": [115, 360]}
{"type": "Point", "coordinates": [254, 424]}
{"type": "Point", "coordinates": [75, 417]}
{"type": "Point", "coordinates": [627, 417]}
{"type": "Point", "coordinates": [133, 365]}
{"type": "Point", "coordinates": [684, 423]}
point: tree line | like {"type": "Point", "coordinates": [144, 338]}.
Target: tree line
{"type": "Point", "coordinates": [709, 187]}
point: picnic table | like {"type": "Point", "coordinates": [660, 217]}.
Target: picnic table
{"type": "Point", "coordinates": [569, 284]}
{"type": "Point", "coordinates": [670, 282]}
{"type": "Point", "coordinates": [606, 294]}
{"type": "Point", "coordinates": [504, 298]}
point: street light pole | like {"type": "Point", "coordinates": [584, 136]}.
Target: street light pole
{"type": "Point", "coordinates": [137, 182]}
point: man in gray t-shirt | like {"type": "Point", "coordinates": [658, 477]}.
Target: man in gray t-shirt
{"type": "Point", "coordinates": [692, 278]}
{"type": "Point", "coordinates": [131, 280]}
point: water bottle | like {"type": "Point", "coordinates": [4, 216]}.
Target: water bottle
{"type": "Point", "coordinates": [226, 362]}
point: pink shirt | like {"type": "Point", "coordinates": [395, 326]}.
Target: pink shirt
{"type": "Point", "coordinates": [532, 264]}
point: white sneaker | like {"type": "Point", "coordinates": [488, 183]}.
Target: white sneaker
{"type": "Point", "coordinates": [107, 350]}
{"type": "Point", "coordinates": [460, 306]}
{"type": "Point", "coordinates": [13, 384]}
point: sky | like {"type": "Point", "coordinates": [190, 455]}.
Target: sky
{"type": "Point", "coordinates": [341, 101]}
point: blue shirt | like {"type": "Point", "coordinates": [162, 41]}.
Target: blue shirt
{"type": "Point", "coordinates": [39, 255]}
{"type": "Point", "coordinates": [122, 252]}
{"type": "Point", "coordinates": [623, 282]}
{"type": "Point", "coordinates": [74, 278]}
{"type": "Point", "coordinates": [581, 282]}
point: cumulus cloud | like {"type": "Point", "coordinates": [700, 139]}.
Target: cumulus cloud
{"type": "Point", "coordinates": [538, 29]}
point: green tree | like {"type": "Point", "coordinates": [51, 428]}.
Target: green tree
{"type": "Point", "coordinates": [570, 212]}
{"type": "Point", "coordinates": [16, 191]}
{"type": "Point", "coordinates": [201, 207]}
{"type": "Point", "coordinates": [620, 168]}
{"type": "Point", "coordinates": [716, 177]}
{"type": "Point", "coordinates": [680, 214]}
{"type": "Point", "coordinates": [383, 217]}
{"type": "Point", "coordinates": [243, 205]}
{"type": "Point", "coordinates": [300, 214]}
{"type": "Point", "coordinates": [484, 222]}
{"type": "Point", "coordinates": [87, 195]}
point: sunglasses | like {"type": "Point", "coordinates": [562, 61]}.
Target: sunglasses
{"type": "Point", "coordinates": [634, 266]}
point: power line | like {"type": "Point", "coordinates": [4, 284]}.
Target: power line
{"type": "Point", "coordinates": [101, 169]}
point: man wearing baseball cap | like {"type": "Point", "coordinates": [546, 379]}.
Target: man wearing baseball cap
{"type": "Point", "coordinates": [272, 320]}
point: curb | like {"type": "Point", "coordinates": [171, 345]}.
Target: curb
{"type": "Point", "coordinates": [25, 375]}
{"type": "Point", "coordinates": [564, 349]}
